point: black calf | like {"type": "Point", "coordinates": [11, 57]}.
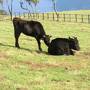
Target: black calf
{"type": "Point", "coordinates": [61, 46]}
{"type": "Point", "coordinates": [30, 28]}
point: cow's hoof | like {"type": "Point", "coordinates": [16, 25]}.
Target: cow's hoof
{"type": "Point", "coordinates": [18, 47]}
{"type": "Point", "coordinates": [40, 50]}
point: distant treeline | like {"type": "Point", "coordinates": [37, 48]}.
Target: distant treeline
{"type": "Point", "coordinates": [3, 12]}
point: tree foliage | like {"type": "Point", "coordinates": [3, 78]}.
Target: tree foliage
{"type": "Point", "coordinates": [35, 2]}
{"type": "Point", "coordinates": [30, 3]}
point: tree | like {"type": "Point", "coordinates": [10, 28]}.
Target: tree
{"type": "Point", "coordinates": [1, 1]}
{"type": "Point", "coordinates": [35, 2]}
{"type": "Point", "coordinates": [25, 5]}
{"type": "Point", "coordinates": [10, 7]}
{"type": "Point", "coordinates": [1, 7]}
{"type": "Point", "coordinates": [54, 6]}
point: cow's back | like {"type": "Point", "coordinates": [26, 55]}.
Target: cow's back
{"type": "Point", "coordinates": [58, 46]}
{"type": "Point", "coordinates": [31, 28]}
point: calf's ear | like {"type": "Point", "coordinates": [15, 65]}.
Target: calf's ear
{"type": "Point", "coordinates": [49, 36]}
{"type": "Point", "coordinates": [69, 37]}
{"type": "Point", "coordinates": [75, 37]}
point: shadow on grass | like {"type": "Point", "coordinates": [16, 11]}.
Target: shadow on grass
{"type": "Point", "coordinates": [43, 52]}
{"type": "Point", "coordinates": [1, 44]}
{"type": "Point", "coordinates": [39, 52]}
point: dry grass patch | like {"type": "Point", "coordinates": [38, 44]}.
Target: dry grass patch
{"type": "Point", "coordinates": [63, 64]}
{"type": "Point", "coordinates": [21, 89]}
{"type": "Point", "coordinates": [83, 56]}
{"type": "Point", "coordinates": [3, 55]}
{"type": "Point", "coordinates": [2, 77]}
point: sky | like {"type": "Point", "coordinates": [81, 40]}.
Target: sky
{"type": "Point", "coordinates": [62, 5]}
{"type": "Point", "coordinates": [43, 6]}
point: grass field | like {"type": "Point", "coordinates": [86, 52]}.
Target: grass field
{"type": "Point", "coordinates": [29, 69]}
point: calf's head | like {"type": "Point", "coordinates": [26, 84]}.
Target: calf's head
{"type": "Point", "coordinates": [46, 39]}
{"type": "Point", "coordinates": [74, 43]}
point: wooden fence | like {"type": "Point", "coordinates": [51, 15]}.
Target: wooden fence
{"type": "Point", "coordinates": [77, 18]}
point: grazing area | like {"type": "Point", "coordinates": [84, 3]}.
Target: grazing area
{"type": "Point", "coordinates": [29, 69]}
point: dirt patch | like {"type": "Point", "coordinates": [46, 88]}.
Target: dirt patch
{"type": "Point", "coordinates": [66, 65]}
{"type": "Point", "coordinates": [21, 89]}
{"type": "Point", "coordinates": [81, 63]}
{"type": "Point", "coordinates": [2, 78]}
{"type": "Point", "coordinates": [3, 55]}
{"type": "Point", "coordinates": [83, 55]}
{"type": "Point", "coordinates": [38, 65]}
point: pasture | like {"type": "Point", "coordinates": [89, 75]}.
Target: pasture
{"type": "Point", "coordinates": [29, 69]}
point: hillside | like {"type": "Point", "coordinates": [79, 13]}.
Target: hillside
{"type": "Point", "coordinates": [29, 69]}
{"type": "Point", "coordinates": [77, 12]}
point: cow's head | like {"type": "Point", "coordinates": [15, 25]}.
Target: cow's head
{"type": "Point", "coordinates": [46, 39]}
{"type": "Point", "coordinates": [74, 44]}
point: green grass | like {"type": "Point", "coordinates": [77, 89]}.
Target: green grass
{"type": "Point", "coordinates": [85, 12]}
{"type": "Point", "coordinates": [29, 69]}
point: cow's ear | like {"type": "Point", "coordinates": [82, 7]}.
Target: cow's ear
{"type": "Point", "coordinates": [69, 37]}
{"type": "Point", "coordinates": [50, 36]}
{"type": "Point", "coordinates": [75, 37]}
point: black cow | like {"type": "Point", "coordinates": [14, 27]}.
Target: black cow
{"type": "Point", "coordinates": [30, 28]}
{"type": "Point", "coordinates": [61, 46]}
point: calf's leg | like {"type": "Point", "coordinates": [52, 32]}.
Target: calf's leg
{"type": "Point", "coordinates": [17, 34]}
{"type": "Point", "coordinates": [66, 51]}
{"type": "Point", "coordinates": [39, 44]}
{"type": "Point", "coordinates": [72, 52]}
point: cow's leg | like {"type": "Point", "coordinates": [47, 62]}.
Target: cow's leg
{"type": "Point", "coordinates": [39, 44]}
{"type": "Point", "coordinates": [71, 52]}
{"type": "Point", "coordinates": [17, 34]}
{"type": "Point", "coordinates": [67, 51]}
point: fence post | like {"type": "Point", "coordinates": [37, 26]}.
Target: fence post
{"type": "Point", "coordinates": [15, 14]}
{"type": "Point", "coordinates": [47, 15]}
{"type": "Point", "coordinates": [38, 15]}
{"type": "Point", "coordinates": [33, 15]}
{"type": "Point", "coordinates": [53, 16]}
{"type": "Point", "coordinates": [82, 18]}
{"type": "Point", "coordinates": [19, 15]}
{"type": "Point", "coordinates": [75, 17]}
{"type": "Point", "coordinates": [28, 15]}
{"type": "Point", "coordinates": [24, 15]}
{"type": "Point", "coordinates": [69, 17]}
{"type": "Point", "coordinates": [88, 18]}
{"type": "Point", "coordinates": [57, 17]}
{"type": "Point", "coordinates": [64, 17]}
{"type": "Point", "coordinates": [43, 15]}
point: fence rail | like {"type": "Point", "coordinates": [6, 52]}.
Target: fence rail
{"type": "Point", "coordinates": [77, 18]}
